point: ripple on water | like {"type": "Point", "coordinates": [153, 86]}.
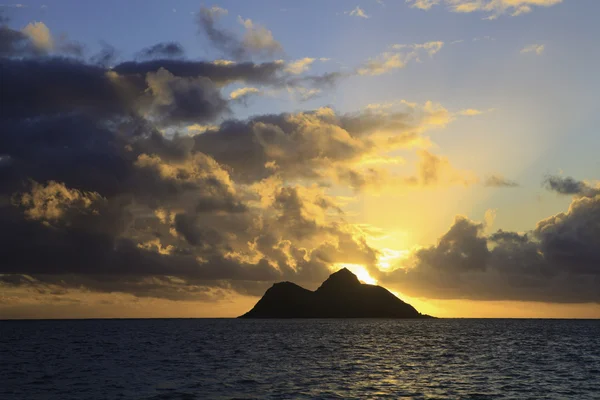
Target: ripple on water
{"type": "Point", "coordinates": [346, 359]}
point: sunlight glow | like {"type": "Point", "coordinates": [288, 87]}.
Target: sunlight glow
{"type": "Point", "coordinates": [390, 257]}
{"type": "Point", "coordinates": [359, 270]}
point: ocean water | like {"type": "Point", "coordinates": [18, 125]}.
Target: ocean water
{"type": "Point", "coordinates": [290, 359]}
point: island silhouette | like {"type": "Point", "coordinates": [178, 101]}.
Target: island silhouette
{"type": "Point", "coordinates": [342, 295]}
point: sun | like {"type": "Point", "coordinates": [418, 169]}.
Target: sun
{"type": "Point", "coordinates": [359, 270]}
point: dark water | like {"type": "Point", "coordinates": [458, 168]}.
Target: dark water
{"type": "Point", "coordinates": [214, 359]}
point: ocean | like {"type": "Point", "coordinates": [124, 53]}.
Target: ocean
{"type": "Point", "coordinates": [300, 359]}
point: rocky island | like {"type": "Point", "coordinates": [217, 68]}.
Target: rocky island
{"type": "Point", "coordinates": [342, 295]}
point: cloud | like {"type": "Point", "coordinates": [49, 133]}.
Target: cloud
{"type": "Point", "coordinates": [243, 92]}
{"type": "Point", "coordinates": [303, 94]}
{"type": "Point", "coordinates": [53, 201]}
{"type": "Point", "coordinates": [39, 34]}
{"type": "Point", "coordinates": [38, 87]}
{"type": "Point", "coordinates": [538, 49]}
{"type": "Point", "coordinates": [493, 7]}
{"type": "Point", "coordinates": [357, 12]}
{"type": "Point", "coordinates": [109, 204]}
{"type": "Point", "coordinates": [384, 63]}
{"type": "Point", "coordinates": [299, 66]}
{"type": "Point", "coordinates": [434, 169]}
{"type": "Point", "coordinates": [66, 85]}
{"type": "Point", "coordinates": [570, 186]}
{"type": "Point", "coordinates": [220, 72]}
{"type": "Point", "coordinates": [489, 218]}
{"type": "Point", "coordinates": [162, 50]}
{"type": "Point", "coordinates": [423, 4]}
{"type": "Point", "coordinates": [257, 40]}
{"type": "Point", "coordinates": [33, 40]}
{"type": "Point", "coordinates": [403, 54]}
{"type": "Point", "coordinates": [321, 145]}
{"type": "Point", "coordinates": [470, 112]}
{"type": "Point", "coordinates": [106, 56]}
{"type": "Point", "coordinates": [295, 241]}
{"type": "Point", "coordinates": [132, 177]}
{"type": "Point", "coordinates": [557, 261]}
{"type": "Point", "coordinates": [221, 39]}
{"type": "Point", "coordinates": [430, 47]}
{"type": "Point", "coordinates": [182, 100]}
{"type": "Point", "coordinates": [498, 181]}
{"type": "Point", "coordinates": [15, 43]}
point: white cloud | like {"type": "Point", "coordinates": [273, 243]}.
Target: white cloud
{"type": "Point", "coordinates": [243, 92]}
{"type": "Point", "coordinates": [470, 112]}
{"type": "Point", "coordinates": [423, 4]}
{"type": "Point", "coordinates": [223, 62]}
{"type": "Point", "coordinates": [299, 66]}
{"type": "Point", "coordinates": [404, 53]}
{"type": "Point", "coordinates": [357, 12]}
{"type": "Point", "coordinates": [533, 48]}
{"type": "Point", "coordinates": [259, 38]}
{"type": "Point", "coordinates": [384, 63]}
{"type": "Point", "coordinates": [430, 47]}
{"type": "Point", "coordinates": [40, 35]}
{"type": "Point", "coordinates": [492, 7]}
{"type": "Point", "coordinates": [217, 11]}
{"type": "Point", "coordinates": [302, 93]}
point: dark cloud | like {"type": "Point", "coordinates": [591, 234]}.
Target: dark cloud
{"type": "Point", "coordinates": [257, 41]}
{"type": "Point", "coordinates": [44, 86]}
{"type": "Point", "coordinates": [160, 181]}
{"type": "Point", "coordinates": [89, 240]}
{"type": "Point", "coordinates": [82, 240]}
{"type": "Point", "coordinates": [291, 145]}
{"type": "Point", "coordinates": [569, 186]}
{"type": "Point", "coordinates": [558, 261]}
{"type": "Point", "coordinates": [162, 50]}
{"type": "Point", "coordinates": [70, 148]}
{"type": "Point", "coordinates": [502, 236]}
{"type": "Point", "coordinates": [225, 41]}
{"type": "Point", "coordinates": [15, 43]}
{"type": "Point", "coordinates": [70, 47]}
{"type": "Point", "coordinates": [324, 147]}
{"type": "Point", "coordinates": [100, 192]}
{"type": "Point", "coordinates": [429, 168]}
{"type": "Point", "coordinates": [499, 181]}
{"type": "Point", "coordinates": [106, 56]}
{"type": "Point", "coordinates": [187, 226]}
{"type": "Point", "coordinates": [264, 73]}
{"type": "Point", "coordinates": [180, 100]}
{"type": "Point", "coordinates": [90, 221]}
{"type": "Point", "coordinates": [462, 248]}
{"type": "Point", "coordinates": [327, 80]}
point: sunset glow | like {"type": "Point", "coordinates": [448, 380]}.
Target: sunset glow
{"type": "Point", "coordinates": [180, 159]}
{"type": "Point", "coordinates": [359, 270]}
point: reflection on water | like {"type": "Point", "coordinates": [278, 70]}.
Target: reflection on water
{"type": "Point", "coordinates": [199, 359]}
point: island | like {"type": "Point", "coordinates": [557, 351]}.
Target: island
{"type": "Point", "coordinates": [342, 295]}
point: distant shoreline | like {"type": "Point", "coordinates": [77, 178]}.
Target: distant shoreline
{"type": "Point", "coordinates": [289, 319]}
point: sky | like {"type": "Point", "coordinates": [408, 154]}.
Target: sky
{"type": "Point", "coordinates": [175, 159]}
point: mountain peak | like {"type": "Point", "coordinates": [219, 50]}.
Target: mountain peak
{"type": "Point", "coordinates": [340, 296]}
{"type": "Point", "coordinates": [342, 279]}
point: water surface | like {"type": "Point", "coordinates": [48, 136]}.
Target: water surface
{"type": "Point", "coordinates": [223, 359]}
